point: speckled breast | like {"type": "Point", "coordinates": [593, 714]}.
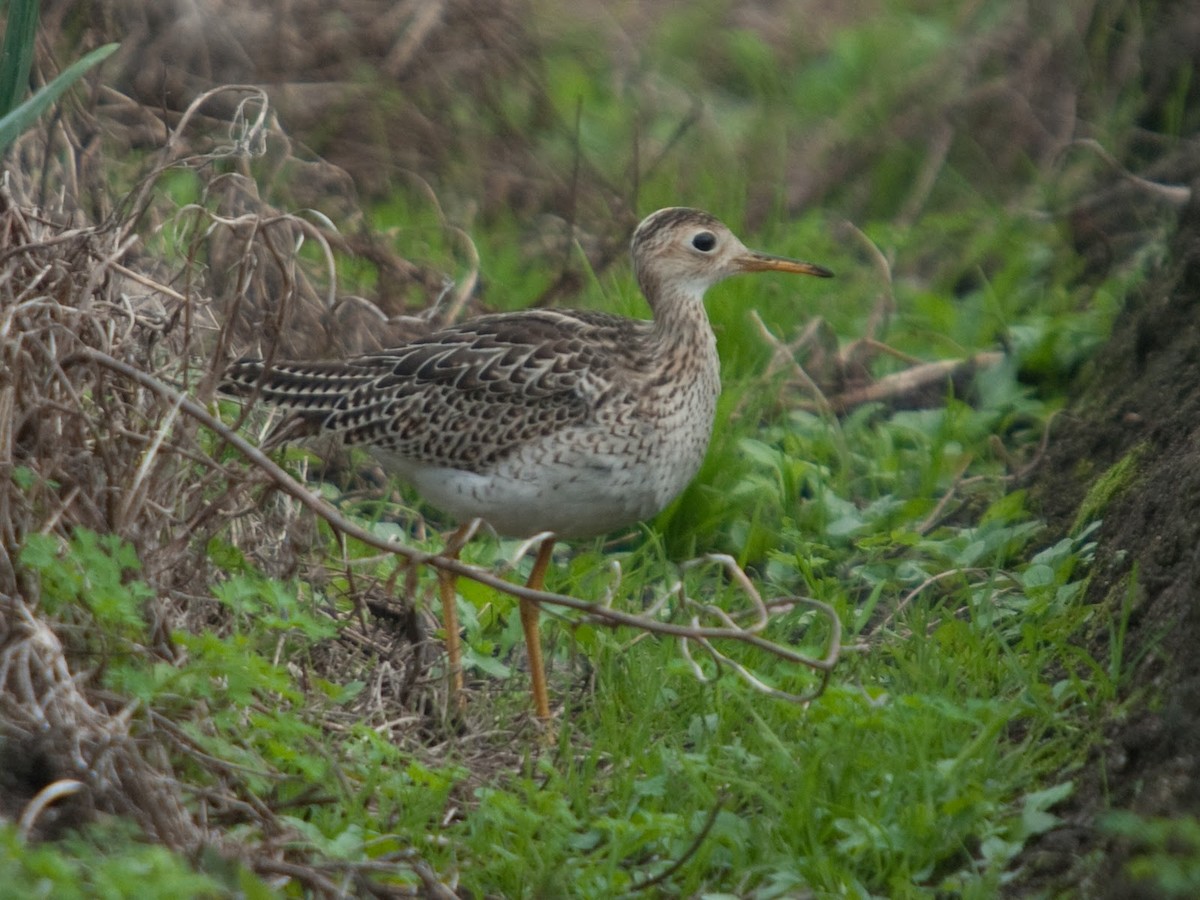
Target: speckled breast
{"type": "Point", "coordinates": [637, 455]}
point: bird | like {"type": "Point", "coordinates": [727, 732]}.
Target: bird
{"type": "Point", "coordinates": [564, 424]}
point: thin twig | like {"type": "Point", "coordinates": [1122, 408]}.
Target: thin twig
{"type": "Point", "coordinates": [687, 854]}
{"type": "Point", "coordinates": [597, 612]}
{"type": "Point", "coordinates": [51, 793]}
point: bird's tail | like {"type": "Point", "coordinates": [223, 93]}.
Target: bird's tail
{"type": "Point", "coordinates": [312, 389]}
{"type": "Point", "coordinates": [318, 397]}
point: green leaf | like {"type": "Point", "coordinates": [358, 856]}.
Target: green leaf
{"type": "Point", "coordinates": [1035, 816]}
{"type": "Point", "coordinates": [18, 120]}
{"type": "Point", "coordinates": [482, 662]}
{"type": "Point", "coordinates": [40, 552]}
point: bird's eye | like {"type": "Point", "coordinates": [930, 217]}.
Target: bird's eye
{"type": "Point", "coordinates": [704, 241]}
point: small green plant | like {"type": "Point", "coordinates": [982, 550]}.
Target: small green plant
{"type": "Point", "coordinates": [1166, 851]}
{"type": "Point", "coordinates": [110, 861]}
{"type": "Point", "coordinates": [91, 572]}
{"type": "Point", "coordinates": [1119, 476]}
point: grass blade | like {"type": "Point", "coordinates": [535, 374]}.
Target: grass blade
{"type": "Point", "coordinates": [17, 54]}
{"type": "Point", "coordinates": [19, 119]}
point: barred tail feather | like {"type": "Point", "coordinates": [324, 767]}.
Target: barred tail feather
{"type": "Point", "coordinates": [331, 397]}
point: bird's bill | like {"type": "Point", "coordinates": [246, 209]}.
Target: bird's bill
{"type": "Point", "coordinates": [764, 262]}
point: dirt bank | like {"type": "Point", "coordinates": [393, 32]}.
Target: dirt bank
{"type": "Point", "coordinates": [1138, 409]}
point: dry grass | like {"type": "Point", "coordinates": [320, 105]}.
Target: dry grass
{"type": "Point", "coordinates": [99, 455]}
{"type": "Point", "coordinates": [83, 447]}
{"type": "Point", "coordinates": [454, 92]}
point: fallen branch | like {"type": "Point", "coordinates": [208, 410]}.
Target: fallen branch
{"type": "Point", "coordinates": [906, 387]}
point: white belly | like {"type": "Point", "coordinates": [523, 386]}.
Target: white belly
{"type": "Point", "coordinates": [575, 483]}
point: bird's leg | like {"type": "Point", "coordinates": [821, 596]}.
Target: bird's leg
{"type": "Point", "coordinates": [533, 639]}
{"type": "Point", "coordinates": [447, 583]}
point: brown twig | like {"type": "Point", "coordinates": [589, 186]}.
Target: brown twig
{"type": "Point", "coordinates": [687, 854]}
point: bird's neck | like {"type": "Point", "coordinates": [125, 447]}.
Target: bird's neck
{"type": "Point", "coordinates": [681, 331]}
{"type": "Point", "coordinates": [682, 380]}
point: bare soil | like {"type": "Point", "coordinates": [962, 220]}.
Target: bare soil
{"type": "Point", "coordinates": [1141, 396]}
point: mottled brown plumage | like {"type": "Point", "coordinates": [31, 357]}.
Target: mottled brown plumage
{"type": "Point", "coordinates": [574, 423]}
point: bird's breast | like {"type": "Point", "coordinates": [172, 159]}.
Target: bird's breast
{"type": "Point", "coordinates": [624, 466]}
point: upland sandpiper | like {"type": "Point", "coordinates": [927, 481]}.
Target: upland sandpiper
{"type": "Point", "coordinates": [570, 423]}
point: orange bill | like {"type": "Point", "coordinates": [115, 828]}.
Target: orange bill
{"type": "Point", "coordinates": [764, 262]}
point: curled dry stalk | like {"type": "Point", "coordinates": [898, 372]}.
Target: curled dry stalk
{"type": "Point", "coordinates": [601, 613]}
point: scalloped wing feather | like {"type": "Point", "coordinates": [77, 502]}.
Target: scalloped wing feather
{"type": "Point", "coordinates": [528, 374]}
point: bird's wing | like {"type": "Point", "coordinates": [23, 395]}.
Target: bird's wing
{"type": "Point", "coordinates": [520, 376]}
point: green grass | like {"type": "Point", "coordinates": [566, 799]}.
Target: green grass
{"type": "Point", "coordinates": [108, 861]}
{"type": "Point", "coordinates": [964, 699]}
{"type": "Point", "coordinates": [18, 114]}
{"type": "Point", "coordinates": [1166, 855]}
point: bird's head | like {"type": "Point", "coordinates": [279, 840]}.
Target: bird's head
{"type": "Point", "coordinates": [687, 250]}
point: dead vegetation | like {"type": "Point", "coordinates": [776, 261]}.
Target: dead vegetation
{"type": "Point", "coordinates": [166, 290]}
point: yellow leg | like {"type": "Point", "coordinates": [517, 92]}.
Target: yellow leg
{"type": "Point", "coordinates": [447, 583]}
{"type": "Point", "coordinates": [533, 638]}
